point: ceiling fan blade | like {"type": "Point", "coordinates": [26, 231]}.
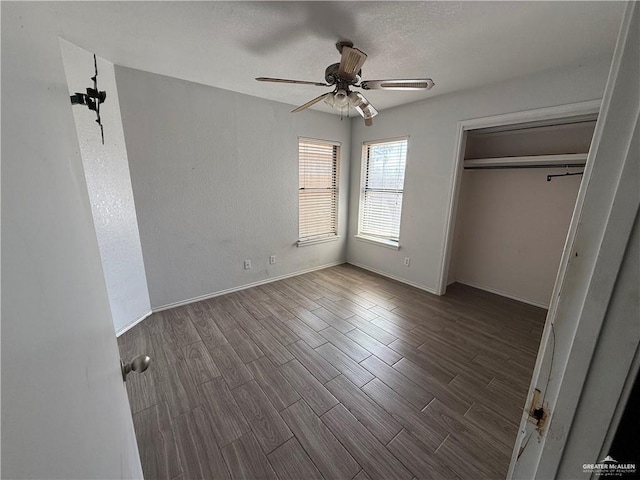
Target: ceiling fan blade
{"type": "Point", "coordinates": [310, 103]}
{"type": "Point", "coordinates": [284, 80]}
{"type": "Point", "coordinates": [404, 84]}
{"type": "Point", "coordinates": [364, 108]}
{"type": "Point", "coordinates": [351, 62]}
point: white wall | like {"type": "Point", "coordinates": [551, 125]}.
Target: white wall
{"type": "Point", "coordinates": [510, 229]}
{"type": "Point", "coordinates": [215, 179]}
{"type": "Point", "coordinates": [65, 412]}
{"type": "Point", "coordinates": [431, 126]}
{"type": "Point", "coordinates": [106, 170]}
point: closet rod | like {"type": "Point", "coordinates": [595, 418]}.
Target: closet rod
{"type": "Point", "coordinates": [549, 177]}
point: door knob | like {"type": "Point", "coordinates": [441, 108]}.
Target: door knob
{"type": "Point", "coordinates": [139, 364]}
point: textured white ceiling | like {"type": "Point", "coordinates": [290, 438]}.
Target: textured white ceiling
{"type": "Point", "coordinates": [458, 44]}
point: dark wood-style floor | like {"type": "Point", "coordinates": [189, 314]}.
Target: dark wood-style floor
{"type": "Point", "coordinates": [336, 374]}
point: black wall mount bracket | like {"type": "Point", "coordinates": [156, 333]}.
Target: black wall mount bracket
{"type": "Point", "coordinates": [93, 98]}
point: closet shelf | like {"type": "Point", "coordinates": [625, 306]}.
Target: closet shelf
{"type": "Point", "coordinates": [571, 159]}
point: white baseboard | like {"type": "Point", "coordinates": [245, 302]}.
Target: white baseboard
{"type": "Point", "coordinates": [129, 326]}
{"type": "Point", "coordinates": [313, 269]}
{"type": "Point", "coordinates": [242, 287]}
{"type": "Point", "coordinates": [502, 294]}
{"type": "Point", "coordinates": [392, 277]}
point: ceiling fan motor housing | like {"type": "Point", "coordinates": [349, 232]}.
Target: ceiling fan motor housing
{"type": "Point", "coordinates": [331, 74]}
{"type": "Point", "coordinates": [332, 77]}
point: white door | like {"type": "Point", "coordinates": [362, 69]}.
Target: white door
{"type": "Point", "coordinates": [592, 334]}
{"type": "Point", "coordinates": [65, 412]}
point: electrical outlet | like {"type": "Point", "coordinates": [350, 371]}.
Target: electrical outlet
{"type": "Point", "coordinates": [247, 264]}
{"type": "Point", "coordinates": [407, 261]}
{"type": "Point", "coordinates": [272, 259]}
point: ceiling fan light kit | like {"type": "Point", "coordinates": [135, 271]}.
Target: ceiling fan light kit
{"type": "Point", "coordinates": [346, 75]}
{"type": "Point", "coordinates": [339, 100]}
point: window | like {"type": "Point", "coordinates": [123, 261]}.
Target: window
{"type": "Point", "coordinates": [383, 165]}
{"type": "Point", "coordinates": [318, 190]}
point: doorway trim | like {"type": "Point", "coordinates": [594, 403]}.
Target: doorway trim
{"type": "Point", "coordinates": [542, 114]}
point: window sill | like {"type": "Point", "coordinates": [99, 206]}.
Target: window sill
{"type": "Point", "coordinates": [380, 242]}
{"type": "Point", "coordinates": [315, 241]}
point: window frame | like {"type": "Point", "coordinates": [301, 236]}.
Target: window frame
{"type": "Point", "coordinates": [315, 238]}
{"type": "Point", "coordinates": [380, 240]}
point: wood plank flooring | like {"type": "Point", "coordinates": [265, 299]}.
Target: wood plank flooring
{"type": "Point", "coordinates": [334, 374]}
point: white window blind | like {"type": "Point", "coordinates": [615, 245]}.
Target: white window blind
{"type": "Point", "coordinates": [382, 188]}
{"type": "Point", "coordinates": [318, 189]}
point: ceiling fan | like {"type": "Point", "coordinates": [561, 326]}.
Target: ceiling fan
{"type": "Point", "coordinates": [346, 75]}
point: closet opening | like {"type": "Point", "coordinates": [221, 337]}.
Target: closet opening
{"type": "Point", "coordinates": [517, 193]}
{"type": "Point", "coordinates": [514, 192]}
